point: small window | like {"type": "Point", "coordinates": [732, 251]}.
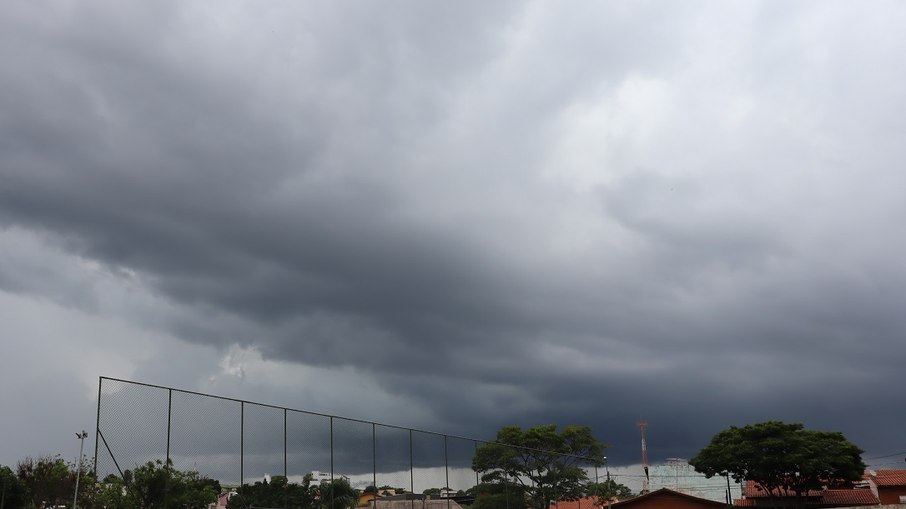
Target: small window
{"type": "Point", "coordinates": [903, 499]}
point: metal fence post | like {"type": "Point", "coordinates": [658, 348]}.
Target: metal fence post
{"type": "Point", "coordinates": [241, 444]}
{"type": "Point", "coordinates": [374, 460]}
{"type": "Point", "coordinates": [285, 470]}
{"type": "Point", "coordinates": [331, 449]}
{"type": "Point", "coordinates": [97, 429]}
{"type": "Point", "coordinates": [169, 420]}
{"type": "Point", "coordinates": [332, 486]}
{"type": "Point", "coordinates": [476, 472]}
{"type": "Point", "coordinates": [411, 471]}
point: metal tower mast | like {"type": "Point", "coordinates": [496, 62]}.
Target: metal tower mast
{"type": "Point", "coordinates": [642, 425]}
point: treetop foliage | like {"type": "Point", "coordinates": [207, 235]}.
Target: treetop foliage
{"type": "Point", "coordinates": [781, 457]}
{"type": "Point", "coordinates": [539, 463]}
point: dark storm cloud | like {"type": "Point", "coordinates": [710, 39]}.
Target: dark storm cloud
{"type": "Point", "coordinates": [402, 190]}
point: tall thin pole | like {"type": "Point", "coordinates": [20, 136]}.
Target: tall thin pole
{"type": "Point", "coordinates": [642, 425]}
{"type": "Point", "coordinates": [241, 444]}
{"type": "Point", "coordinates": [285, 471]}
{"type": "Point", "coordinates": [374, 461]}
{"type": "Point", "coordinates": [597, 485]}
{"type": "Point", "coordinates": [75, 498]}
{"type": "Point", "coordinates": [476, 472]}
{"type": "Point", "coordinates": [331, 449]}
{"type": "Point", "coordinates": [169, 420]}
{"type": "Point", "coordinates": [729, 495]}
{"type": "Point", "coordinates": [333, 487]}
{"type": "Point", "coordinates": [446, 472]}
{"type": "Point", "coordinates": [411, 470]}
{"type": "Point", "coordinates": [97, 429]}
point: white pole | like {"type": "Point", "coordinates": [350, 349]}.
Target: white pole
{"type": "Point", "coordinates": [75, 498]}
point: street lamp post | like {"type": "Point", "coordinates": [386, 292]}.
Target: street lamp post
{"type": "Point", "coordinates": [81, 436]}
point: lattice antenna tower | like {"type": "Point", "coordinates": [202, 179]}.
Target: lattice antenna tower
{"type": "Point", "coordinates": [642, 426]}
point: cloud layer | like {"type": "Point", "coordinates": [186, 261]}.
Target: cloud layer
{"type": "Point", "coordinates": [462, 216]}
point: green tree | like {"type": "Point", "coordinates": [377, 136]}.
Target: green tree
{"type": "Point", "coordinates": [545, 464]}
{"type": "Point", "coordinates": [338, 494]}
{"type": "Point", "coordinates": [13, 492]}
{"type": "Point", "coordinates": [47, 479]}
{"type": "Point", "coordinates": [781, 458]}
{"type": "Point", "coordinates": [432, 492]}
{"type": "Point", "coordinates": [608, 489]}
{"type": "Point", "coordinates": [498, 495]}
{"type": "Point", "coordinates": [157, 485]}
{"type": "Point", "coordinates": [279, 492]}
{"type": "Point", "coordinates": [112, 493]}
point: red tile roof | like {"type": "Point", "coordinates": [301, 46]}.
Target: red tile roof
{"type": "Point", "coordinates": [848, 497]}
{"type": "Point", "coordinates": [753, 490]}
{"type": "Point", "coordinates": [889, 477]}
{"type": "Point", "coordinates": [582, 503]}
{"type": "Point", "coordinates": [666, 494]}
{"type": "Point", "coordinates": [821, 498]}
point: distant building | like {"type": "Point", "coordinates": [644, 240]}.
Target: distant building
{"type": "Point", "coordinates": [665, 498]}
{"type": "Point", "coordinates": [888, 485]}
{"type": "Point", "coordinates": [679, 476]}
{"type": "Point", "coordinates": [447, 493]}
{"type": "Point", "coordinates": [317, 477]}
{"type": "Point", "coordinates": [582, 503]}
{"type": "Point", "coordinates": [755, 496]}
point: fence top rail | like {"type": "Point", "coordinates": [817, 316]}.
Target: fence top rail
{"type": "Point", "coordinates": [352, 419]}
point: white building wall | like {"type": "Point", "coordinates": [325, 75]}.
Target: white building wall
{"type": "Point", "coordinates": [678, 475]}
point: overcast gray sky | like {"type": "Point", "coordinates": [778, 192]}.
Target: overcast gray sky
{"type": "Point", "coordinates": [458, 215]}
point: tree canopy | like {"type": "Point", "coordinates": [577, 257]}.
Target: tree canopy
{"type": "Point", "coordinates": [14, 492]}
{"type": "Point", "coordinates": [498, 495]}
{"type": "Point", "coordinates": [609, 489]}
{"type": "Point", "coordinates": [338, 494]}
{"type": "Point", "coordinates": [538, 463]}
{"type": "Point", "coordinates": [48, 480]}
{"type": "Point", "coordinates": [279, 492]}
{"type": "Point", "coordinates": [781, 458]}
{"type": "Point", "coordinates": [157, 484]}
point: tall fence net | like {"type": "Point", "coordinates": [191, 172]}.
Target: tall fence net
{"type": "Point", "coordinates": [240, 442]}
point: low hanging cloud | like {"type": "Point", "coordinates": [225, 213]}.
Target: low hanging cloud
{"type": "Point", "coordinates": [467, 215]}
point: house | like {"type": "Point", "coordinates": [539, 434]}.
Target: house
{"type": "Point", "coordinates": [678, 475]}
{"type": "Point", "coordinates": [318, 477]}
{"type": "Point", "coordinates": [665, 498]}
{"type": "Point", "coordinates": [888, 485]}
{"type": "Point", "coordinates": [365, 499]}
{"type": "Point", "coordinates": [755, 496]}
{"type": "Point", "coordinates": [582, 503]}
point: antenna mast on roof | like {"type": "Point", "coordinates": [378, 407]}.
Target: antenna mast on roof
{"type": "Point", "coordinates": [642, 425]}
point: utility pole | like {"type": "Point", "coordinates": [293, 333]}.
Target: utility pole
{"type": "Point", "coordinates": [642, 425]}
{"type": "Point", "coordinates": [81, 436]}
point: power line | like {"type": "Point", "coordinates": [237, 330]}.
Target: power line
{"type": "Point", "coordinates": [887, 456]}
{"type": "Point", "coordinates": [889, 463]}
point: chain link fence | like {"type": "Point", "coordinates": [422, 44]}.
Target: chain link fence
{"type": "Point", "coordinates": [240, 442]}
